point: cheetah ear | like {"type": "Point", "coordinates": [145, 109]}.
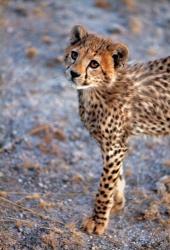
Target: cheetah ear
{"type": "Point", "coordinates": [78, 32]}
{"type": "Point", "coordinates": [120, 55]}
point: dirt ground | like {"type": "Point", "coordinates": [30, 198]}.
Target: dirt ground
{"type": "Point", "coordinates": [49, 165]}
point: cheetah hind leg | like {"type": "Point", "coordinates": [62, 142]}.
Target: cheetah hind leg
{"type": "Point", "coordinates": [119, 198]}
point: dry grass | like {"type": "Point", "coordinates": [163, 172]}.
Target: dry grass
{"type": "Point", "coordinates": [77, 178]}
{"type": "Point", "coordinates": [50, 239]}
{"type": "Point", "coordinates": [7, 240]}
{"type": "Point", "coordinates": [34, 196]}
{"type": "Point", "coordinates": [166, 224]}
{"type": "Point", "coordinates": [3, 24]}
{"type": "Point", "coordinates": [68, 236]}
{"type": "Point", "coordinates": [150, 145]}
{"type": "Point", "coordinates": [167, 163]}
{"type": "Point", "coordinates": [39, 12]}
{"type": "Point", "coordinates": [4, 2]}
{"type": "Point", "coordinates": [43, 131]}
{"type": "Point", "coordinates": [3, 194]}
{"type": "Point", "coordinates": [58, 233]}
{"type": "Point", "coordinates": [131, 4]}
{"type": "Point", "coordinates": [31, 211]}
{"type": "Point", "coordinates": [20, 223]}
{"type": "Point", "coordinates": [47, 132]}
{"type": "Point", "coordinates": [29, 165]}
{"type": "Point", "coordinates": [49, 149]}
{"type": "Point", "coordinates": [76, 235]}
{"type": "Point", "coordinates": [46, 204]}
{"type": "Point", "coordinates": [152, 212]}
{"type": "Point", "coordinates": [103, 4]}
{"type": "Point", "coordinates": [166, 199]}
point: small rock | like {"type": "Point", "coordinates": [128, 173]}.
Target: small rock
{"type": "Point", "coordinates": [163, 185]}
{"type": "Point", "coordinates": [53, 62]}
{"type": "Point", "coordinates": [77, 178]}
{"type": "Point", "coordinates": [40, 184]}
{"type": "Point", "coordinates": [31, 52]}
{"type": "Point", "coordinates": [167, 163]}
{"type": "Point", "coordinates": [39, 12]}
{"type": "Point", "coordinates": [10, 30]}
{"type": "Point", "coordinates": [152, 52]}
{"type": "Point", "coordinates": [65, 179]}
{"type": "Point", "coordinates": [135, 25]}
{"type": "Point", "coordinates": [128, 172]}
{"type": "Point", "coordinates": [47, 39]}
{"type": "Point", "coordinates": [116, 29]}
{"type": "Point", "coordinates": [20, 11]}
{"type": "Point", "coordinates": [160, 187]}
{"type": "Point", "coordinates": [131, 4]}
{"type": "Point", "coordinates": [3, 194]}
{"type": "Point", "coordinates": [1, 79]}
{"type": "Point", "coordinates": [1, 174]}
{"type": "Point", "coordinates": [59, 135]}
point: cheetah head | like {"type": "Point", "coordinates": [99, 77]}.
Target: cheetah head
{"type": "Point", "coordinates": [92, 61]}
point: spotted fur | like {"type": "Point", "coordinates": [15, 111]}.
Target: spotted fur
{"type": "Point", "coordinates": [116, 100]}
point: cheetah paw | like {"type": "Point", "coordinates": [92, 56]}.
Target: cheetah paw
{"type": "Point", "coordinates": [91, 226]}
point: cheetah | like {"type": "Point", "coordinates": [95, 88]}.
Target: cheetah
{"type": "Point", "coordinates": [116, 101]}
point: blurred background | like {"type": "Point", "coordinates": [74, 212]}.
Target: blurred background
{"type": "Point", "coordinates": [49, 165]}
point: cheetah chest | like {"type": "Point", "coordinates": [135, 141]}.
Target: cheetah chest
{"type": "Point", "coordinates": [92, 116]}
{"type": "Point", "coordinates": [98, 119]}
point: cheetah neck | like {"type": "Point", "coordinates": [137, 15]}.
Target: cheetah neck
{"type": "Point", "coordinates": [119, 91]}
{"type": "Point", "coordinates": [129, 83]}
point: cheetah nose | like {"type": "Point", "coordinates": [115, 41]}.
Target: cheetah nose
{"type": "Point", "coordinates": [74, 74]}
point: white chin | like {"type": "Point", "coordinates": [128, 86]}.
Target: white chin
{"type": "Point", "coordinates": [81, 87]}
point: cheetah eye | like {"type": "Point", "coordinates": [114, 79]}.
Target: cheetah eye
{"type": "Point", "coordinates": [74, 55]}
{"type": "Point", "coordinates": [94, 64]}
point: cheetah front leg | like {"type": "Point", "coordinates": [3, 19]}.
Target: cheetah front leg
{"type": "Point", "coordinates": [108, 195]}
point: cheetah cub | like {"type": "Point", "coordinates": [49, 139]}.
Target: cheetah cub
{"type": "Point", "coordinates": [116, 100]}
